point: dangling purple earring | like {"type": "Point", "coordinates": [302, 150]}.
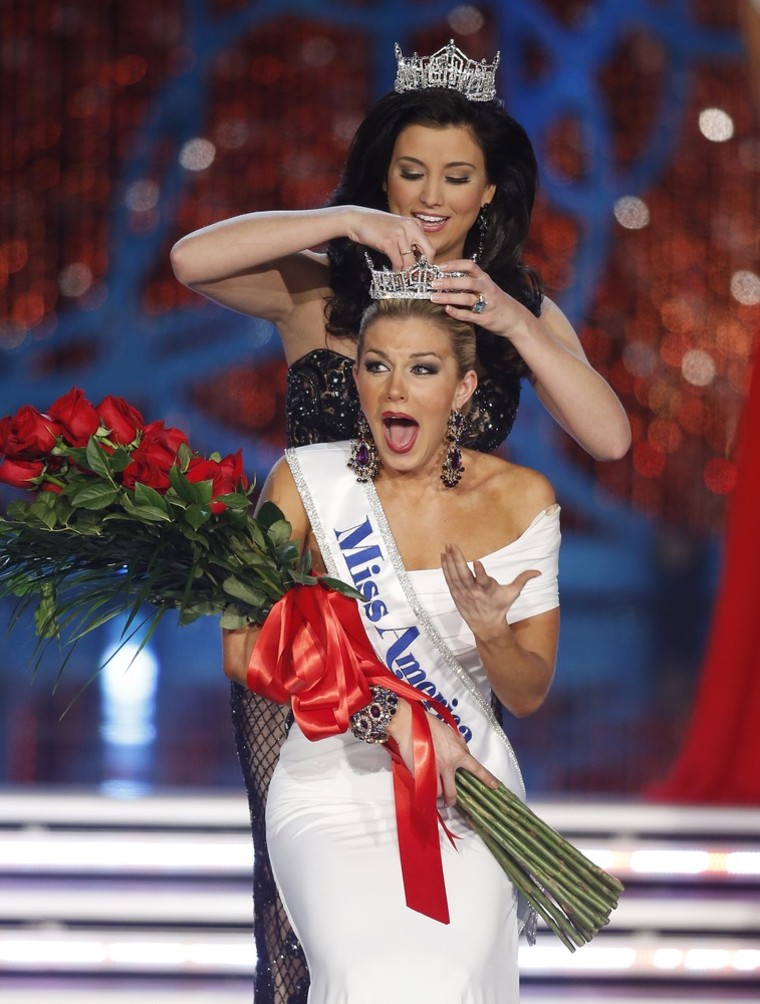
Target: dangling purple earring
{"type": "Point", "coordinates": [482, 222]}
{"type": "Point", "coordinates": [453, 468]}
{"type": "Point", "coordinates": [364, 461]}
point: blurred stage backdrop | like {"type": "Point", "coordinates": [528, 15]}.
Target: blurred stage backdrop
{"type": "Point", "coordinates": [127, 123]}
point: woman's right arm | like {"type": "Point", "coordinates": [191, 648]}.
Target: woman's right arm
{"type": "Point", "coordinates": [260, 264]}
{"type": "Point", "coordinates": [280, 488]}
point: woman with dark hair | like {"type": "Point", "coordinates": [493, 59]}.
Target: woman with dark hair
{"type": "Point", "coordinates": [430, 172]}
{"type": "Point", "coordinates": [496, 243]}
{"type": "Point", "coordinates": [442, 173]}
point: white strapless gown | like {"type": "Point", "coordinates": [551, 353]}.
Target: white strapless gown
{"type": "Point", "coordinates": [331, 830]}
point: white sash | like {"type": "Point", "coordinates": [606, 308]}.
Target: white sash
{"type": "Point", "coordinates": [357, 546]}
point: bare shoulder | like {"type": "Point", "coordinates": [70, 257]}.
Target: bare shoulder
{"type": "Point", "coordinates": [533, 491]}
{"type": "Point", "coordinates": [518, 492]}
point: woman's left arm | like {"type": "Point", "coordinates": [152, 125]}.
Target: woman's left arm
{"type": "Point", "coordinates": [518, 659]}
{"type": "Point", "coordinates": [575, 395]}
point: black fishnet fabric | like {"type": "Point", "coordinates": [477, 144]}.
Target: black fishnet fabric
{"type": "Point", "coordinates": [260, 727]}
{"type": "Point", "coordinates": [321, 407]}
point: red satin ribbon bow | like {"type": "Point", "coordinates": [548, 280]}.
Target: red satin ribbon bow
{"type": "Point", "coordinates": [313, 651]}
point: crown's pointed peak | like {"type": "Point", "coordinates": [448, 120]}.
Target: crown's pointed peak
{"type": "Point", "coordinates": [448, 68]}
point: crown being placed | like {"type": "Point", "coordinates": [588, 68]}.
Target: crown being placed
{"type": "Point", "coordinates": [413, 283]}
{"type": "Point", "coordinates": [449, 68]}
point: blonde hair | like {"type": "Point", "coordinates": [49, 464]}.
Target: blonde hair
{"type": "Point", "coordinates": [461, 334]}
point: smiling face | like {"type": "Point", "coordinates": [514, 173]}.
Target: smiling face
{"type": "Point", "coordinates": [438, 175]}
{"type": "Point", "coordinates": [409, 379]}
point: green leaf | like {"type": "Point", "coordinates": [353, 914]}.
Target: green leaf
{"type": "Point", "coordinates": [44, 509]}
{"type": "Point", "coordinates": [257, 534]}
{"type": "Point", "coordinates": [127, 502]}
{"type": "Point", "coordinates": [279, 533]}
{"type": "Point", "coordinates": [341, 587]}
{"type": "Point", "coordinates": [204, 491]}
{"type": "Point", "coordinates": [185, 489]}
{"type": "Point", "coordinates": [242, 591]}
{"type": "Point", "coordinates": [152, 513]}
{"type": "Point", "coordinates": [188, 533]}
{"type": "Point", "coordinates": [93, 494]}
{"type": "Point", "coordinates": [45, 620]}
{"type": "Point", "coordinates": [97, 459]}
{"type": "Point", "coordinates": [192, 611]}
{"type": "Point", "coordinates": [63, 508]}
{"type": "Point", "coordinates": [147, 496]}
{"type": "Point", "coordinates": [184, 455]}
{"type": "Point", "coordinates": [78, 454]}
{"type": "Point", "coordinates": [253, 559]}
{"type": "Point", "coordinates": [268, 514]}
{"type": "Point", "coordinates": [88, 522]}
{"type": "Point", "coordinates": [197, 515]}
{"type": "Point", "coordinates": [235, 500]}
{"type": "Point", "coordinates": [120, 460]}
{"type": "Point", "coordinates": [233, 621]}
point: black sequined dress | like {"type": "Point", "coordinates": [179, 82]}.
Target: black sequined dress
{"type": "Point", "coordinates": [321, 406]}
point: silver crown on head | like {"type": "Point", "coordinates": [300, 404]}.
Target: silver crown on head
{"type": "Point", "coordinates": [448, 68]}
{"type": "Point", "coordinates": [413, 283]}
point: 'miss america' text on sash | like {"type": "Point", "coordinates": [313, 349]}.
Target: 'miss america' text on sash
{"type": "Point", "coordinates": [364, 560]}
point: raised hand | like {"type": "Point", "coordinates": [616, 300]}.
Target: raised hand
{"type": "Point", "coordinates": [477, 299]}
{"type": "Point", "coordinates": [479, 598]}
{"type": "Point", "coordinates": [400, 238]}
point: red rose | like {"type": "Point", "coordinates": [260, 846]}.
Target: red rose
{"type": "Point", "coordinates": [226, 474]}
{"type": "Point", "coordinates": [154, 457]}
{"type": "Point", "coordinates": [170, 439]}
{"type": "Point", "coordinates": [149, 466]}
{"type": "Point", "coordinates": [121, 419]}
{"type": "Point", "coordinates": [48, 486]}
{"type": "Point", "coordinates": [19, 473]}
{"type": "Point", "coordinates": [28, 433]}
{"type": "Point", "coordinates": [77, 415]}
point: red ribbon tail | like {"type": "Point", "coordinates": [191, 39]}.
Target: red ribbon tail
{"type": "Point", "coordinates": [417, 819]}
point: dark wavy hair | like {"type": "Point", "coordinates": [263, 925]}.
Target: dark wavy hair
{"type": "Point", "coordinates": [510, 166]}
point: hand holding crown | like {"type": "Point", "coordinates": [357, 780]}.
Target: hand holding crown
{"type": "Point", "coordinates": [400, 238]}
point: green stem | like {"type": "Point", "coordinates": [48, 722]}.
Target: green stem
{"type": "Point", "coordinates": [568, 851]}
{"type": "Point", "coordinates": [534, 895]}
{"type": "Point", "coordinates": [562, 899]}
{"type": "Point", "coordinates": [582, 894]}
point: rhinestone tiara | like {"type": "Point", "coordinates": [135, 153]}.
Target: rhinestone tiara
{"type": "Point", "coordinates": [411, 283]}
{"type": "Point", "coordinates": [448, 68]}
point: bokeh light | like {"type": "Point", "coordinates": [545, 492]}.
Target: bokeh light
{"type": "Point", "coordinates": [197, 154]}
{"type": "Point", "coordinates": [716, 125]}
{"type": "Point", "coordinates": [631, 212]}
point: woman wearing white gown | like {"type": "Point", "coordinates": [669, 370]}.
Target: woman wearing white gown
{"type": "Point", "coordinates": [455, 553]}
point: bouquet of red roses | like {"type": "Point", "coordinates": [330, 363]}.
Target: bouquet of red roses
{"type": "Point", "coordinates": [124, 513]}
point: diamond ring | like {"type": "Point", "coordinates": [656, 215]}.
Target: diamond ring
{"type": "Point", "coordinates": [480, 305]}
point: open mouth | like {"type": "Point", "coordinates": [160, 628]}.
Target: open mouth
{"type": "Point", "coordinates": [400, 432]}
